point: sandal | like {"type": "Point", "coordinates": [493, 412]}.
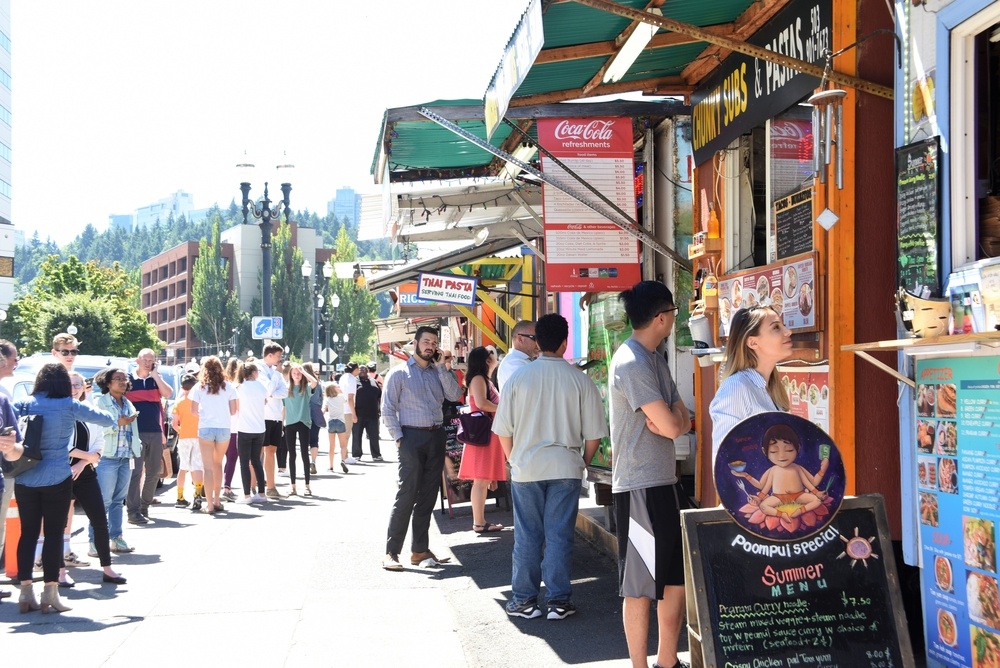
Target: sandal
{"type": "Point", "coordinates": [308, 491]}
{"type": "Point", "coordinates": [489, 527]}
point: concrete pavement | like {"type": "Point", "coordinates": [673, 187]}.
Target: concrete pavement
{"type": "Point", "coordinates": [299, 583]}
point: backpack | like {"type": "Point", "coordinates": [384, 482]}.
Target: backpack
{"type": "Point", "coordinates": [367, 399]}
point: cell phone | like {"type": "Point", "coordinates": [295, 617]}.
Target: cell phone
{"type": "Point", "coordinates": [7, 431]}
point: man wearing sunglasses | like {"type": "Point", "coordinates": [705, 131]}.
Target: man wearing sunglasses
{"type": "Point", "coordinates": [65, 349]}
{"type": "Point", "coordinates": [523, 349]}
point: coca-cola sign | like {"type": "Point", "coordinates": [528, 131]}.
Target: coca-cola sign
{"type": "Point", "coordinates": [791, 140]}
{"type": "Point", "coordinates": [593, 130]}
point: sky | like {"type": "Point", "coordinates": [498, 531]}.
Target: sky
{"type": "Point", "coordinates": [118, 103]}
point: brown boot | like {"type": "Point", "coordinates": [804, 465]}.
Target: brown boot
{"type": "Point", "coordinates": [27, 601]}
{"type": "Point", "coordinates": [50, 598]}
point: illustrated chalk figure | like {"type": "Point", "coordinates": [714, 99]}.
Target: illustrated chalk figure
{"type": "Point", "coordinates": [786, 488]}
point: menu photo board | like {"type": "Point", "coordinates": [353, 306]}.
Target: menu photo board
{"type": "Point", "coordinates": [808, 390]}
{"type": "Point", "coordinates": [788, 287]}
{"type": "Point", "coordinates": [790, 571]}
{"type": "Point", "coordinates": [586, 252]}
{"type": "Point", "coordinates": [958, 492]}
{"type": "Point", "coordinates": [918, 196]}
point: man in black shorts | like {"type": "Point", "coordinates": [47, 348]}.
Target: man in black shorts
{"type": "Point", "coordinates": [646, 415]}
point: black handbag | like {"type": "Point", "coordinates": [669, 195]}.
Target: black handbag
{"type": "Point", "coordinates": [475, 428]}
{"type": "Point", "coordinates": [31, 432]}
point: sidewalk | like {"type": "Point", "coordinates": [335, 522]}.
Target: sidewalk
{"type": "Point", "coordinates": [299, 583]}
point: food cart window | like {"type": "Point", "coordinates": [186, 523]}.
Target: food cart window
{"type": "Point", "coordinates": [766, 177]}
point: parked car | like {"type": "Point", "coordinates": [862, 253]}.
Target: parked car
{"type": "Point", "coordinates": [85, 365]}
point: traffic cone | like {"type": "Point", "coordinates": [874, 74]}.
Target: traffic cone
{"type": "Point", "coordinates": [13, 536]}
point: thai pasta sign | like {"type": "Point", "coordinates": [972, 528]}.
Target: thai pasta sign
{"type": "Point", "coordinates": [447, 289]}
{"type": "Point", "coordinates": [746, 91]}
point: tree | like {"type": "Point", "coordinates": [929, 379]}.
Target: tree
{"type": "Point", "coordinates": [215, 309]}
{"type": "Point", "coordinates": [291, 294]}
{"type": "Point", "coordinates": [358, 306]}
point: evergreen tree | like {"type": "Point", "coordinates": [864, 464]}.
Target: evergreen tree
{"type": "Point", "coordinates": [215, 309]}
{"type": "Point", "coordinates": [291, 294]}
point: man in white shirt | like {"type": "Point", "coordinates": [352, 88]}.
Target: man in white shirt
{"type": "Point", "coordinates": [277, 389]}
{"type": "Point", "coordinates": [349, 386]}
{"type": "Point", "coordinates": [523, 349]}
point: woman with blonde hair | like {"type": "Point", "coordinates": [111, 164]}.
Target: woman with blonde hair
{"type": "Point", "coordinates": [758, 341]}
{"type": "Point", "coordinates": [214, 400]}
{"type": "Point", "coordinates": [298, 420]}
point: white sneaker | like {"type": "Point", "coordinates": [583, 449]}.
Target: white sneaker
{"type": "Point", "coordinates": [242, 500]}
{"type": "Point", "coordinates": [259, 498]}
{"type": "Point", "coordinates": [350, 460]}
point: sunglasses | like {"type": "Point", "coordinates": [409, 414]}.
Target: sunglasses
{"type": "Point", "coordinates": [68, 352]}
{"type": "Point", "coordinates": [528, 336]}
{"type": "Point", "coordinates": [668, 310]}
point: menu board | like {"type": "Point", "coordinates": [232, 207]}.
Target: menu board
{"type": "Point", "coordinates": [831, 600]}
{"type": "Point", "coordinates": [808, 390]}
{"type": "Point", "coordinates": [789, 288]}
{"type": "Point", "coordinates": [958, 482]}
{"type": "Point", "coordinates": [918, 199]}
{"type": "Point", "coordinates": [585, 252]}
{"type": "Point", "coordinates": [794, 221]}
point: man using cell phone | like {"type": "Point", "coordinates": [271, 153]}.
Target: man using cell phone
{"type": "Point", "coordinates": [146, 392]}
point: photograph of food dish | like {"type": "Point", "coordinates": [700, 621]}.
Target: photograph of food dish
{"type": "Point", "coordinates": [980, 543]}
{"type": "Point", "coordinates": [947, 439]}
{"type": "Point", "coordinates": [925, 436]}
{"type": "Point", "coordinates": [777, 301]}
{"type": "Point", "coordinates": [943, 574]}
{"type": "Point", "coordinates": [984, 599]}
{"type": "Point", "coordinates": [814, 395]}
{"type": "Point", "coordinates": [947, 629]}
{"type": "Point", "coordinates": [763, 286]}
{"type": "Point", "coordinates": [946, 400]}
{"type": "Point", "coordinates": [948, 475]}
{"type": "Point", "coordinates": [825, 393]}
{"type": "Point", "coordinates": [803, 390]}
{"type": "Point", "coordinates": [790, 281]}
{"type": "Point", "coordinates": [749, 298]}
{"type": "Point", "coordinates": [725, 310]}
{"type": "Point", "coordinates": [985, 648]}
{"type": "Point", "coordinates": [805, 299]}
{"type": "Point", "coordinates": [736, 292]}
{"type": "Point", "coordinates": [927, 472]}
{"type": "Point", "coordinates": [928, 509]}
{"type": "Point", "coordinates": [925, 400]}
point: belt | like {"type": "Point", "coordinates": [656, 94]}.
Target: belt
{"type": "Point", "coordinates": [432, 428]}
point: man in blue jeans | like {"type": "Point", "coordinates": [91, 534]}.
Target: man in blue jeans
{"type": "Point", "coordinates": [550, 423]}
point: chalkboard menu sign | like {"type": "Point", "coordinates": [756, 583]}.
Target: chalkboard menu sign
{"type": "Point", "coordinates": [918, 198]}
{"type": "Point", "coordinates": [794, 222]}
{"type": "Point", "coordinates": [829, 600]}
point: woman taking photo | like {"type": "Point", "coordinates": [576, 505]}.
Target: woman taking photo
{"type": "Point", "coordinates": [121, 446]}
{"type": "Point", "coordinates": [298, 420]}
{"type": "Point", "coordinates": [86, 446]}
{"type": "Point", "coordinates": [214, 400]}
{"type": "Point", "coordinates": [483, 465]}
{"type": "Point", "coordinates": [43, 492]}
{"type": "Point", "coordinates": [758, 340]}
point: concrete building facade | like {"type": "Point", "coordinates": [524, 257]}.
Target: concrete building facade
{"type": "Point", "coordinates": [8, 238]}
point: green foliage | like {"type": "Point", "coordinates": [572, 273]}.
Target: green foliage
{"type": "Point", "coordinates": [291, 296]}
{"type": "Point", "coordinates": [102, 302]}
{"type": "Point", "coordinates": [215, 310]}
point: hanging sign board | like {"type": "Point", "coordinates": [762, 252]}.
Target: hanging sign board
{"type": "Point", "coordinates": [958, 487]}
{"type": "Point", "coordinates": [918, 196]}
{"type": "Point", "coordinates": [447, 289]}
{"type": "Point", "coordinates": [522, 49]}
{"type": "Point", "coordinates": [789, 287]}
{"type": "Point", "coordinates": [585, 252]}
{"type": "Point", "coordinates": [744, 92]}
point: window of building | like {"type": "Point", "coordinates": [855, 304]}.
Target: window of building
{"type": "Point", "coordinates": [181, 310]}
{"type": "Point", "coordinates": [173, 268]}
{"type": "Point", "coordinates": [5, 151]}
{"type": "Point", "coordinates": [4, 41]}
{"type": "Point", "coordinates": [172, 310]}
{"type": "Point", "coordinates": [163, 294]}
{"type": "Point", "coordinates": [182, 265]}
{"type": "Point", "coordinates": [4, 189]}
{"type": "Point", "coordinates": [182, 287]}
{"type": "Point", "coordinates": [4, 114]}
{"type": "Point", "coordinates": [5, 78]}
{"type": "Point", "coordinates": [173, 290]}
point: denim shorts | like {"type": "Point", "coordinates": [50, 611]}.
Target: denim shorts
{"type": "Point", "coordinates": [336, 426]}
{"type": "Point", "coordinates": [214, 434]}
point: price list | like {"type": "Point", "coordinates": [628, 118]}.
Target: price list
{"type": "Point", "coordinates": [584, 250]}
{"type": "Point", "coordinates": [958, 483]}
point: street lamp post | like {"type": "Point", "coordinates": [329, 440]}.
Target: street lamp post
{"type": "Point", "coordinates": [339, 344]}
{"type": "Point", "coordinates": [328, 315]}
{"type": "Point", "coordinates": [263, 212]}
{"type": "Point", "coordinates": [319, 298]}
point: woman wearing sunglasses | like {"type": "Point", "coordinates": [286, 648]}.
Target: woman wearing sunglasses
{"type": "Point", "coordinates": [758, 341]}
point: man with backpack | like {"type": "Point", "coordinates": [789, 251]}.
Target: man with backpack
{"type": "Point", "coordinates": [366, 404]}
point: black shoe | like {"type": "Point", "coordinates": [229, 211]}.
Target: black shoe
{"type": "Point", "coordinates": [377, 459]}
{"type": "Point", "coordinates": [181, 503]}
{"type": "Point", "coordinates": [137, 519]}
{"type": "Point", "coordinates": [115, 580]}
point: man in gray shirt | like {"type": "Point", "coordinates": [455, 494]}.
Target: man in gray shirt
{"type": "Point", "coordinates": [646, 415]}
{"type": "Point", "coordinates": [411, 410]}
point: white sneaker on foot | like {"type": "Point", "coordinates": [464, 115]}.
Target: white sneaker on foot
{"type": "Point", "coordinates": [350, 460]}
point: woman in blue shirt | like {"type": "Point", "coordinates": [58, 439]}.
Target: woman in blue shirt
{"type": "Point", "coordinates": [44, 491]}
{"type": "Point", "coordinates": [758, 340]}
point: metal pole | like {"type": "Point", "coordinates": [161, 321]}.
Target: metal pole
{"type": "Point", "coordinates": [315, 341]}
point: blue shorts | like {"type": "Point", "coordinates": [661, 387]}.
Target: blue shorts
{"type": "Point", "coordinates": [214, 434]}
{"type": "Point", "coordinates": [336, 426]}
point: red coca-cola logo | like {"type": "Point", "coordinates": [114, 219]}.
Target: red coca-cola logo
{"type": "Point", "coordinates": [600, 130]}
{"type": "Point", "coordinates": [790, 129]}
